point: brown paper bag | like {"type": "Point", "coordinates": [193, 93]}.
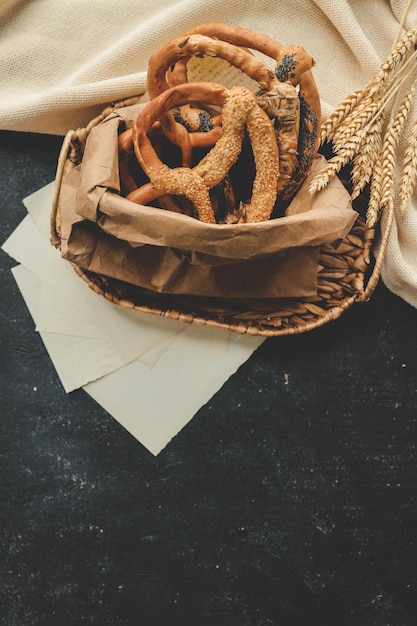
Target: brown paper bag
{"type": "Point", "coordinates": [172, 253]}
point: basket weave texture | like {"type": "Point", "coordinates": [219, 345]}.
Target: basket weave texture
{"type": "Point", "coordinates": [347, 274]}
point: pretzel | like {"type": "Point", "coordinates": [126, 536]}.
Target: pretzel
{"type": "Point", "coordinates": [283, 105]}
{"type": "Point", "coordinates": [184, 48]}
{"type": "Point", "coordinates": [293, 64]}
{"type": "Point", "coordinates": [238, 36]}
{"type": "Point", "coordinates": [188, 127]}
{"type": "Point", "coordinates": [296, 115]}
{"type": "Point", "coordinates": [280, 102]}
{"type": "Point", "coordinates": [284, 57]}
{"type": "Point", "coordinates": [239, 111]}
{"type": "Point", "coordinates": [159, 63]}
{"type": "Point", "coordinates": [174, 56]}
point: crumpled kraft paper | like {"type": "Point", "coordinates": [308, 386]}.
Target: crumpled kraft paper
{"type": "Point", "coordinates": [168, 252]}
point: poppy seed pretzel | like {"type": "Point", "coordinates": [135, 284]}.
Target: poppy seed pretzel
{"type": "Point", "coordinates": [292, 63]}
{"type": "Point", "coordinates": [239, 111]}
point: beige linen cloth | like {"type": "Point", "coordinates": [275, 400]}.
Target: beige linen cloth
{"type": "Point", "coordinates": [62, 61]}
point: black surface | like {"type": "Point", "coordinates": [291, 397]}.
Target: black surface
{"type": "Point", "coordinates": [290, 499]}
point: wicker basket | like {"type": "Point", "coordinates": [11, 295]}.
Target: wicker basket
{"type": "Point", "coordinates": [348, 273]}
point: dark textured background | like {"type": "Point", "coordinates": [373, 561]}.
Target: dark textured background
{"type": "Point", "coordinates": [289, 500]}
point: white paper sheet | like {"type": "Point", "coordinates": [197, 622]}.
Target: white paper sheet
{"type": "Point", "coordinates": [154, 405]}
{"type": "Point", "coordinates": [150, 373]}
{"type": "Point", "coordinates": [67, 303]}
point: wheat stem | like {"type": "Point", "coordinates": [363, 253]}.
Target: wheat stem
{"type": "Point", "coordinates": [342, 115]}
{"type": "Point", "coordinates": [400, 78]}
{"type": "Point", "coordinates": [356, 130]}
{"type": "Point", "coordinates": [402, 21]}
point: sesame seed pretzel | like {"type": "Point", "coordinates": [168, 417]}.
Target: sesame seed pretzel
{"type": "Point", "coordinates": [293, 65]}
{"type": "Point", "coordinates": [289, 96]}
{"type": "Point", "coordinates": [199, 45]}
{"type": "Point", "coordinates": [240, 111]}
{"type": "Point", "coordinates": [160, 62]}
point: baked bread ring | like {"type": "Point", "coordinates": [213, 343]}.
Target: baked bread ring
{"type": "Point", "coordinates": [293, 64]}
{"type": "Point", "coordinates": [288, 94]}
{"type": "Point", "coordinates": [197, 45]}
{"type": "Point", "coordinates": [240, 111]}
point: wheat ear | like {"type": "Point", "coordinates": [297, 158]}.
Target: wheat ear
{"type": "Point", "coordinates": [372, 212]}
{"type": "Point", "coordinates": [335, 164]}
{"type": "Point", "coordinates": [364, 161]}
{"type": "Point", "coordinates": [390, 145]}
{"type": "Point", "coordinates": [377, 85]}
{"type": "Point", "coordinates": [356, 121]}
{"type": "Point", "coordinates": [336, 117]}
{"type": "Point", "coordinates": [391, 63]}
{"type": "Point", "coordinates": [408, 178]}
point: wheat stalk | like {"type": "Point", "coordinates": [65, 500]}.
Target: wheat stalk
{"type": "Point", "coordinates": [408, 178]}
{"type": "Point", "coordinates": [356, 130]}
{"type": "Point", "coordinates": [372, 212]}
{"type": "Point", "coordinates": [402, 21]}
{"type": "Point", "coordinates": [371, 91]}
{"type": "Point", "coordinates": [392, 62]}
{"type": "Point", "coordinates": [390, 145]}
{"type": "Point", "coordinates": [385, 98]}
{"type": "Point", "coordinates": [364, 162]}
{"type": "Point", "coordinates": [382, 179]}
{"type": "Point", "coordinates": [335, 164]}
{"type": "Point", "coordinates": [362, 116]}
{"type": "Point", "coordinates": [333, 121]}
